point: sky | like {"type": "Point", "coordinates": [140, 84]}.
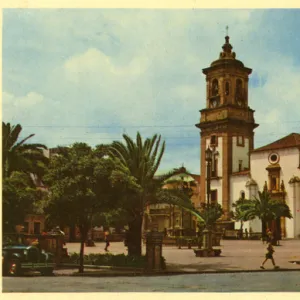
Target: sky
{"type": "Point", "coordinates": [91, 75]}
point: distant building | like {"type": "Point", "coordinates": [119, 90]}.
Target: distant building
{"type": "Point", "coordinates": [171, 219]}
{"type": "Point", "coordinates": [34, 222]}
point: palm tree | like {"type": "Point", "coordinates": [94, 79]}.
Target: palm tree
{"type": "Point", "coordinates": [265, 208]}
{"type": "Point", "coordinates": [19, 156]}
{"type": "Point", "coordinates": [142, 159]}
{"type": "Point", "coordinates": [210, 213]}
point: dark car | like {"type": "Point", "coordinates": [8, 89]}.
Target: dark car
{"type": "Point", "coordinates": [18, 259]}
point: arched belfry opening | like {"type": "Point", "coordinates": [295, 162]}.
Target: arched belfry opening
{"type": "Point", "coordinates": [239, 93]}
{"type": "Point", "coordinates": [215, 88]}
{"type": "Point", "coordinates": [227, 88]}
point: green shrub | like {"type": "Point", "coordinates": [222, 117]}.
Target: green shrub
{"type": "Point", "coordinates": [73, 257]}
{"type": "Point", "coordinates": [108, 259]}
{"type": "Point", "coordinates": [163, 263]}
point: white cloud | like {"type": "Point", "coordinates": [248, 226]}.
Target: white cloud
{"type": "Point", "coordinates": [16, 108]}
{"type": "Point", "coordinates": [31, 99]}
{"type": "Point", "coordinates": [93, 65]}
{"type": "Point", "coordinates": [50, 121]}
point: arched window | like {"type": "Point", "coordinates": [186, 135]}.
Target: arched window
{"type": "Point", "coordinates": [227, 88]}
{"type": "Point", "coordinates": [215, 87]}
{"type": "Point", "coordinates": [239, 89]}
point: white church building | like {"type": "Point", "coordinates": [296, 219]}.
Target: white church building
{"type": "Point", "coordinates": [277, 166]}
{"type": "Point", "coordinates": [238, 169]}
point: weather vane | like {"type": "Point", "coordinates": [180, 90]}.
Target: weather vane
{"type": "Point", "coordinates": [227, 30]}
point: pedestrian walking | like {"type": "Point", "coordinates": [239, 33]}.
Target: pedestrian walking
{"type": "Point", "coordinates": [107, 244]}
{"type": "Point", "coordinates": [269, 255]}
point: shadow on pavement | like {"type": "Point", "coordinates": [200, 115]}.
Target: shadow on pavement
{"type": "Point", "coordinates": [201, 267]}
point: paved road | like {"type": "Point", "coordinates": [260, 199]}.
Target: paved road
{"type": "Point", "coordinates": [235, 282]}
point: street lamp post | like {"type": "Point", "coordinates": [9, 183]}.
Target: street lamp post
{"type": "Point", "coordinates": [207, 234]}
{"type": "Point", "coordinates": [208, 158]}
{"type": "Point", "coordinates": [207, 242]}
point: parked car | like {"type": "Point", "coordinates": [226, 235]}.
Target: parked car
{"type": "Point", "coordinates": [18, 259]}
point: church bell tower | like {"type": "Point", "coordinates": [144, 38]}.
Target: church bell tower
{"type": "Point", "coordinates": [226, 126]}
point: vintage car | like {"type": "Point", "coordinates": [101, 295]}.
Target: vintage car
{"type": "Point", "coordinates": [18, 259]}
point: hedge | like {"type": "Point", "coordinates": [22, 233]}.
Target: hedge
{"type": "Point", "coordinates": [108, 259]}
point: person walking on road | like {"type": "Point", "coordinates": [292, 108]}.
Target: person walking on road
{"type": "Point", "coordinates": [269, 255]}
{"type": "Point", "coordinates": [107, 244]}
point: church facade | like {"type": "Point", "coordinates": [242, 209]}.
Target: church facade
{"type": "Point", "coordinates": [238, 170]}
{"type": "Point", "coordinates": [276, 168]}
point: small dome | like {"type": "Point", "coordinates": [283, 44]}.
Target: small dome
{"type": "Point", "coordinates": [227, 61]}
{"type": "Point", "coordinates": [227, 56]}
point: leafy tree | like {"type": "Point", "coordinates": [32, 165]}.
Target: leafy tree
{"type": "Point", "coordinates": [265, 208]}
{"type": "Point", "coordinates": [142, 159]}
{"type": "Point", "coordinates": [19, 198]}
{"type": "Point", "coordinates": [19, 156]}
{"type": "Point", "coordinates": [83, 182]}
{"type": "Point", "coordinates": [21, 163]}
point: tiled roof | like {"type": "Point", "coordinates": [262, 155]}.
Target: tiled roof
{"type": "Point", "coordinates": [289, 141]}
{"type": "Point", "coordinates": [245, 172]}
{"type": "Point", "coordinates": [196, 177]}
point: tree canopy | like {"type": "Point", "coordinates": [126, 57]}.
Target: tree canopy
{"type": "Point", "coordinates": [83, 182]}
{"type": "Point", "coordinates": [21, 164]}
{"type": "Point", "coordinates": [19, 198]}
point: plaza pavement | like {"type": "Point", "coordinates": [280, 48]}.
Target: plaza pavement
{"type": "Point", "coordinates": [236, 256]}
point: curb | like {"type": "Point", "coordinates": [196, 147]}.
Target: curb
{"type": "Point", "coordinates": [169, 273]}
{"type": "Point", "coordinates": [71, 266]}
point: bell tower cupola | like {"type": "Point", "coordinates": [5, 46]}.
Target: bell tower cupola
{"type": "Point", "coordinates": [227, 80]}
